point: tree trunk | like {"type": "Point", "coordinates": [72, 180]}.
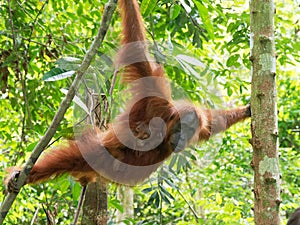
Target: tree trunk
{"type": "Point", "coordinates": [264, 114]}
{"type": "Point", "coordinates": [125, 196]}
{"type": "Point", "coordinates": [95, 202]}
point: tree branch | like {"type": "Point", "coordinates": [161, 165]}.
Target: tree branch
{"type": "Point", "coordinates": [65, 104]}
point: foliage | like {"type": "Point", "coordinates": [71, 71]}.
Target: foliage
{"type": "Point", "coordinates": [204, 46]}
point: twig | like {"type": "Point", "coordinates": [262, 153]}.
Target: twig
{"type": "Point", "coordinates": [12, 27]}
{"type": "Point", "coordinates": [82, 194]}
{"type": "Point", "coordinates": [19, 74]}
{"type": "Point", "coordinates": [113, 83]}
{"type": "Point", "coordinates": [190, 206]}
{"type": "Point", "coordinates": [195, 23]}
{"type": "Point", "coordinates": [111, 89]}
{"type": "Point", "coordinates": [65, 104]}
{"type": "Point", "coordinates": [35, 215]}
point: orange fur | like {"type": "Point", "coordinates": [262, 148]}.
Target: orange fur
{"type": "Point", "coordinates": [103, 154]}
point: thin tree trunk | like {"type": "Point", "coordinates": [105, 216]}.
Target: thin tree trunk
{"type": "Point", "coordinates": [264, 114]}
{"type": "Point", "coordinates": [94, 210]}
{"type": "Point", "coordinates": [125, 196]}
{"type": "Point", "coordinates": [95, 204]}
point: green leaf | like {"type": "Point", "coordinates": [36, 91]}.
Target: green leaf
{"type": "Point", "coordinates": [31, 146]}
{"type": "Point", "coordinates": [68, 63]}
{"type": "Point", "coordinates": [203, 11]}
{"type": "Point", "coordinates": [182, 162]}
{"type": "Point", "coordinates": [69, 60]}
{"type": "Point", "coordinates": [147, 6]}
{"type": "Point", "coordinates": [147, 190]}
{"type": "Point", "coordinates": [80, 9]}
{"type": "Point", "coordinates": [154, 198]}
{"type": "Point", "coordinates": [116, 204]}
{"type": "Point", "coordinates": [186, 67]}
{"type": "Point", "coordinates": [189, 154]}
{"type": "Point", "coordinates": [171, 183]}
{"type": "Point", "coordinates": [232, 60]}
{"type": "Point", "coordinates": [173, 161]}
{"type": "Point", "coordinates": [76, 190]}
{"type": "Point", "coordinates": [229, 91]}
{"type": "Point", "coordinates": [218, 199]}
{"type": "Point", "coordinates": [57, 74]}
{"type": "Point", "coordinates": [78, 101]}
{"type": "Point", "coordinates": [165, 198]}
{"type": "Point", "coordinates": [174, 11]}
{"type": "Point", "coordinates": [197, 41]}
{"type": "Point", "coordinates": [64, 185]}
{"type": "Point", "coordinates": [165, 192]}
{"type": "Point", "coordinates": [191, 60]}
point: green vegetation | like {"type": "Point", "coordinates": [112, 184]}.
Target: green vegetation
{"type": "Point", "coordinates": [204, 46]}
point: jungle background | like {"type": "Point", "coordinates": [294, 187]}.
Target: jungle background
{"type": "Point", "coordinates": [204, 46]}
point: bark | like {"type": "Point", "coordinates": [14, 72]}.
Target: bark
{"type": "Point", "coordinates": [95, 201]}
{"type": "Point", "coordinates": [95, 204]}
{"type": "Point", "coordinates": [125, 196]}
{"type": "Point", "coordinates": [264, 114]}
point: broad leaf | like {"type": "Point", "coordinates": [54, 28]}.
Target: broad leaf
{"type": "Point", "coordinates": [57, 74]}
